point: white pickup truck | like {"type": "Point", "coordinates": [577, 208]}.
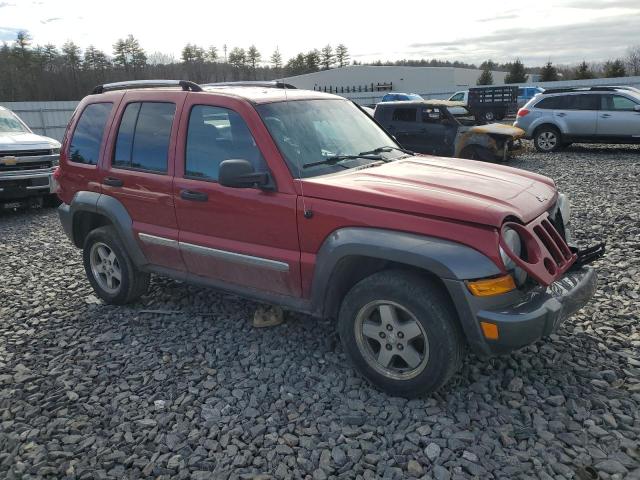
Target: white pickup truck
{"type": "Point", "coordinates": [27, 164]}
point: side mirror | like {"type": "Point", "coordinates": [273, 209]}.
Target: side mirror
{"type": "Point", "coordinates": [637, 108]}
{"type": "Point", "coordinates": [241, 174]}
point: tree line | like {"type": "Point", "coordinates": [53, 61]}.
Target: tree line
{"type": "Point", "coordinates": [29, 72]}
{"type": "Point", "coordinates": [48, 72]}
{"type": "Point", "coordinates": [517, 72]}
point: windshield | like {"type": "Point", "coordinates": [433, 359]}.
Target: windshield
{"type": "Point", "coordinates": [310, 131]}
{"type": "Point", "coordinates": [9, 123]}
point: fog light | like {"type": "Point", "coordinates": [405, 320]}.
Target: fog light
{"type": "Point", "coordinates": [489, 287]}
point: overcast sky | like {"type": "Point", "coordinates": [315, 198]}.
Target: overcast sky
{"type": "Point", "coordinates": [536, 31]}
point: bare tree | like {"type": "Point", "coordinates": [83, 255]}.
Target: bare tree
{"type": "Point", "coordinates": [633, 60]}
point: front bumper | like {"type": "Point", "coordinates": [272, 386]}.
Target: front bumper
{"type": "Point", "coordinates": [27, 183]}
{"type": "Point", "coordinates": [522, 318]}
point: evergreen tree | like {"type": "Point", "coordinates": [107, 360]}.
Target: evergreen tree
{"type": "Point", "coordinates": [548, 73]}
{"type": "Point", "coordinates": [327, 58]}
{"type": "Point", "coordinates": [583, 72]}
{"type": "Point", "coordinates": [212, 54]}
{"type": "Point", "coordinates": [94, 59]}
{"type": "Point", "coordinates": [517, 73]}
{"type": "Point", "coordinates": [49, 56]}
{"type": "Point", "coordinates": [120, 54]}
{"type": "Point", "coordinates": [312, 61]}
{"type": "Point", "coordinates": [297, 65]}
{"type": "Point", "coordinates": [238, 57]}
{"type": "Point", "coordinates": [342, 55]}
{"type": "Point", "coordinates": [488, 65]}
{"type": "Point", "coordinates": [276, 59]}
{"type": "Point", "coordinates": [253, 58]}
{"type": "Point", "coordinates": [486, 77]}
{"type": "Point", "coordinates": [71, 56]}
{"type": "Point", "coordinates": [615, 68]}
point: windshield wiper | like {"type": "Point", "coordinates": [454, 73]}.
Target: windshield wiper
{"type": "Point", "coordinates": [339, 158]}
{"type": "Point", "coordinates": [387, 148]}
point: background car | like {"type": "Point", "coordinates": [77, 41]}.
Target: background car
{"type": "Point", "coordinates": [527, 93]}
{"type": "Point", "coordinates": [429, 127]}
{"type": "Point", "coordinates": [558, 117]}
{"type": "Point", "coordinates": [27, 163]}
{"type": "Point", "coordinates": [398, 97]}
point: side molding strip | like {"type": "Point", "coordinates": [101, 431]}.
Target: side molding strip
{"type": "Point", "coordinates": [162, 241]}
{"type": "Point", "coordinates": [213, 252]}
{"type": "Point", "coordinates": [235, 257]}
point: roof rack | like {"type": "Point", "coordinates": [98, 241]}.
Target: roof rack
{"type": "Point", "coordinates": [581, 89]}
{"type": "Point", "coordinates": [185, 84]}
{"type": "Point", "coordinates": [256, 83]}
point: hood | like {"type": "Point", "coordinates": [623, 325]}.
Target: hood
{"type": "Point", "coordinates": [452, 188]}
{"type": "Point", "coordinates": [10, 141]}
{"type": "Point", "coordinates": [498, 129]}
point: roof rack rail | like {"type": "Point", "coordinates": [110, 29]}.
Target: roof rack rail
{"type": "Point", "coordinates": [597, 88]}
{"type": "Point", "coordinates": [253, 83]}
{"type": "Point", "coordinates": [186, 85]}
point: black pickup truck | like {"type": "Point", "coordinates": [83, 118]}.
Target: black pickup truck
{"type": "Point", "coordinates": [487, 104]}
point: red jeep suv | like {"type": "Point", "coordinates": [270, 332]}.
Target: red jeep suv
{"type": "Point", "coordinates": [300, 199]}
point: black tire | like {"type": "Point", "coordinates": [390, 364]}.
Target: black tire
{"type": "Point", "coordinates": [423, 302]}
{"type": "Point", "coordinates": [52, 201]}
{"type": "Point", "coordinates": [132, 284]}
{"type": "Point", "coordinates": [547, 139]}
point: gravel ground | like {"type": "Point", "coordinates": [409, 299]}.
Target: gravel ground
{"type": "Point", "coordinates": [93, 391]}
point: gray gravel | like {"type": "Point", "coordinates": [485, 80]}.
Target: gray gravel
{"type": "Point", "coordinates": [93, 391]}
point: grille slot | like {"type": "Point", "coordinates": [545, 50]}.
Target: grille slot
{"type": "Point", "coordinates": [554, 243]}
{"type": "Point", "coordinates": [25, 166]}
{"type": "Point", "coordinates": [25, 153]}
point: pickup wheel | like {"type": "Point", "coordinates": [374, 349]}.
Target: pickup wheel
{"type": "Point", "coordinates": [109, 268]}
{"type": "Point", "coordinates": [401, 333]}
{"type": "Point", "coordinates": [547, 139]}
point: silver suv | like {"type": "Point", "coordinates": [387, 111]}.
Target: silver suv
{"type": "Point", "coordinates": [558, 117]}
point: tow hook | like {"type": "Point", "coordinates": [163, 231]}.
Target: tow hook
{"type": "Point", "coordinates": [587, 255]}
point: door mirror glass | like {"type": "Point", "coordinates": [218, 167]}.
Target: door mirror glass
{"type": "Point", "coordinates": [241, 174]}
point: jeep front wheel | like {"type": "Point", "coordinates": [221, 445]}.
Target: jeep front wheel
{"type": "Point", "coordinates": [110, 270]}
{"type": "Point", "coordinates": [400, 332]}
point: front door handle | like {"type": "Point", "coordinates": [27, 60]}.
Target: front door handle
{"type": "Point", "coordinates": [605, 115]}
{"type": "Point", "coordinates": [112, 182]}
{"type": "Point", "coordinates": [561, 114]}
{"type": "Point", "coordinates": [194, 196]}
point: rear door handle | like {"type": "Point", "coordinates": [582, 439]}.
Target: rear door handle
{"type": "Point", "coordinates": [605, 115]}
{"type": "Point", "coordinates": [112, 182]}
{"type": "Point", "coordinates": [194, 196]}
{"type": "Point", "coordinates": [561, 114]}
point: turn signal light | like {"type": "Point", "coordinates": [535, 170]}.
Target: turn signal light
{"type": "Point", "coordinates": [489, 287]}
{"type": "Point", "coordinates": [522, 112]}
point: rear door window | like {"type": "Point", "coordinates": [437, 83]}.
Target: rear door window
{"type": "Point", "coordinates": [405, 115]}
{"type": "Point", "coordinates": [583, 102]}
{"type": "Point", "coordinates": [552, 103]}
{"type": "Point", "coordinates": [144, 135]}
{"type": "Point", "coordinates": [87, 137]}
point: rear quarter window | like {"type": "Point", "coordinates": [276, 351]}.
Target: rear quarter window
{"type": "Point", "coordinates": [87, 136]}
{"type": "Point", "coordinates": [405, 114]}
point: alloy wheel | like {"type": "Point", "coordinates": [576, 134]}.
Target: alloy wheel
{"type": "Point", "coordinates": [547, 140]}
{"type": "Point", "coordinates": [391, 339]}
{"type": "Point", "coordinates": [105, 267]}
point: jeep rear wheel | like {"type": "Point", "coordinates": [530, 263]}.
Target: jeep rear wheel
{"type": "Point", "coordinates": [547, 139]}
{"type": "Point", "coordinates": [109, 268]}
{"type": "Point", "coordinates": [400, 332]}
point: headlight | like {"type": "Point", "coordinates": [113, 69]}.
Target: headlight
{"type": "Point", "coordinates": [512, 240]}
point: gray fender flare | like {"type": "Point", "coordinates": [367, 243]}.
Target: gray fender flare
{"type": "Point", "coordinates": [112, 209]}
{"type": "Point", "coordinates": [443, 258]}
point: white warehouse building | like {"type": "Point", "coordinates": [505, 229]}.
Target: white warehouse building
{"type": "Point", "coordinates": [367, 83]}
